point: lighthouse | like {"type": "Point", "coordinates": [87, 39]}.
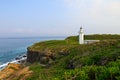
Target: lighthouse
{"type": "Point", "coordinates": [81, 36]}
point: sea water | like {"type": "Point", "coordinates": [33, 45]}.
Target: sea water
{"type": "Point", "coordinates": [10, 48]}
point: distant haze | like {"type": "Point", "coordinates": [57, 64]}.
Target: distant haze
{"type": "Point", "coordinates": [20, 18]}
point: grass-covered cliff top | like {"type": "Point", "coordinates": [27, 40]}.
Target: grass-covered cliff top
{"type": "Point", "coordinates": [68, 42]}
{"type": "Point", "coordinates": [54, 45]}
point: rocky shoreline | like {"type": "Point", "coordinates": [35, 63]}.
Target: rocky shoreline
{"type": "Point", "coordinates": [18, 60]}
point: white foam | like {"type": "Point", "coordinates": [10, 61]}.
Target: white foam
{"type": "Point", "coordinates": [3, 65]}
{"type": "Point", "coordinates": [14, 61]}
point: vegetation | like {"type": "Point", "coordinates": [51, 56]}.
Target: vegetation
{"type": "Point", "coordinates": [96, 61]}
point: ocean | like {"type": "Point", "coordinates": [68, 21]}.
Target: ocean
{"type": "Point", "coordinates": [10, 48]}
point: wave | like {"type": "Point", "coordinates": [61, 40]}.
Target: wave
{"type": "Point", "coordinates": [17, 60]}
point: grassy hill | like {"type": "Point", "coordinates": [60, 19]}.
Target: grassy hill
{"type": "Point", "coordinates": [67, 60]}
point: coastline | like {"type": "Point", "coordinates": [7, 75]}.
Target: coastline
{"type": "Point", "coordinates": [18, 60]}
{"type": "Point", "coordinates": [9, 52]}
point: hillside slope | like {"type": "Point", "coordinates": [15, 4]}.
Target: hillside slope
{"type": "Point", "coordinates": [67, 60]}
{"type": "Point", "coordinates": [15, 72]}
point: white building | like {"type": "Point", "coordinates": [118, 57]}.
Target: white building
{"type": "Point", "coordinates": [81, 38]}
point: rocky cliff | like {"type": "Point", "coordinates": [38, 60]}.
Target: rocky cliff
{"type": "Point", "coordinates": [40, 56]}
{"type": "Point", "coordinates": [46, 52]}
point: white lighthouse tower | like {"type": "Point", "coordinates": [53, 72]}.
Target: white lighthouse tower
{"type": "Point", "coordinates": [81, 36]}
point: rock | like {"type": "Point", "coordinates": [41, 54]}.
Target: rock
{"type": "Point", "coordinates": [24, 56]}
{"type": "Point", "coordinates": [44, 60]}
{"type": "Point", "coordinates": [17, 58]}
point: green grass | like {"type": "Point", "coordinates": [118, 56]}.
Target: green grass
{"type": "Point", "coordinates": [53, 44]}
{"type": "Point", "coordinates": [97, 61]}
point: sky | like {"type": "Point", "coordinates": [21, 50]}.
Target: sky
{"type": "Point", "coordinates": [26, 18]}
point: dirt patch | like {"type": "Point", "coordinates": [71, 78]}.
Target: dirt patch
{"type": "Point", "coordinates": [15, 71]}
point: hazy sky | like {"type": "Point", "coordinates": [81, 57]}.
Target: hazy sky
{"type": "Point", "coordinates": [58, 17]}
